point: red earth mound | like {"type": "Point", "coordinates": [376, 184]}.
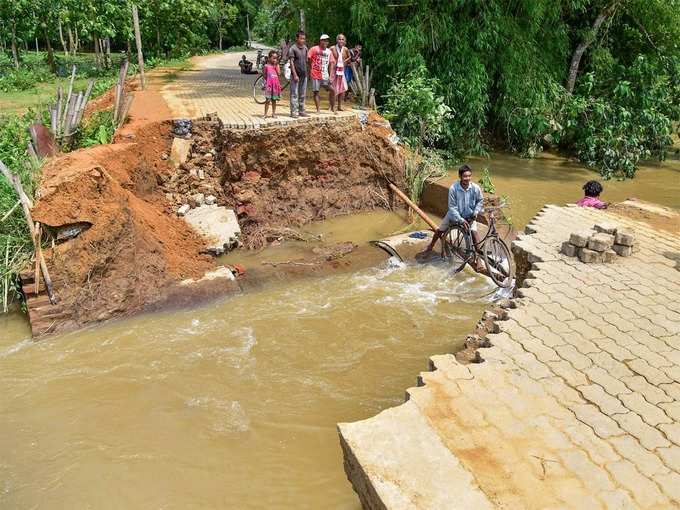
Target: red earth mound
{"type": "Point", "coordinates": [133, 249]}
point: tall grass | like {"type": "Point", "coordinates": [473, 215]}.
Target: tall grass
{"type": "Point", "coordinates": [16, 247]}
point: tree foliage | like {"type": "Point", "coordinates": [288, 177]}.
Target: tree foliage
{"type": "Point", "coordinates": [503, 68]}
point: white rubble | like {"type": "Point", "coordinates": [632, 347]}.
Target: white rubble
{"type": "Point", "coordinates": [217, 225]}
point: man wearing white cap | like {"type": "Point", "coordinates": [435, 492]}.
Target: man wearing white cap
{"type": "Point", "coordinates": [321, 63]}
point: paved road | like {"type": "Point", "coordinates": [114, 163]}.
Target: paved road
{"type": "Point", "coordinates": [215, 84]}
{"type": "Point", "coordinates": [576, 406]}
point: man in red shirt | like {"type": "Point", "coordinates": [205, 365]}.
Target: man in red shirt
{"type": "Point", "coordinates": [321, 63]}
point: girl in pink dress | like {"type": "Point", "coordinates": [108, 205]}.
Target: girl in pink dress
{"type": "Point", "coordinates": [592, 191]}
{"type": "Point", "coordinates": [272, 85]}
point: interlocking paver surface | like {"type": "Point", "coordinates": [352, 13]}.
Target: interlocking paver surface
{"type": "Point", "coordinates": [215, 85]}
{"type": "Point", "coordinates": [577, 404]}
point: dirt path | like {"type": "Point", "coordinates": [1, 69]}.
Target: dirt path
{"type": "Point", "coordinates": [215, 84]}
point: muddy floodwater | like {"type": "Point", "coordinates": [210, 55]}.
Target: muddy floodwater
{"type": "Point", "coordinates": [228, 406]}
{"type": "Point", "coordinates": [531, 183]}
{"type": "Point", "coordinates": [234, 404]}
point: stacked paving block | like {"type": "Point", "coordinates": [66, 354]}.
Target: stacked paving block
{"type": "Point", "coordinates": [603, 245]}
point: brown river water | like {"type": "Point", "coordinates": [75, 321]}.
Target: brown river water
{"type": "Point", "coordinates": [234, 404]}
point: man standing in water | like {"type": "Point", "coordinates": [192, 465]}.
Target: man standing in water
{"type": "Point", "coordinates": [320, 64]}
{"type": "Point", "coordinates": [465, 204]}
{"type": "Point", "coordinates": [297, 56]}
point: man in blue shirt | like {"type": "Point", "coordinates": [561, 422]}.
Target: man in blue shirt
{"type": "Point", "coordinates": [465, 204]}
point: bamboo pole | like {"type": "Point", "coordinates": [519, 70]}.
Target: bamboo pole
{"type": "Point", "coordinates": [38, 256]}
{"type": "Point", "coordinates": [5, 304]}
{"type": "Point", "coordinates": [67, 105]}
{"type": "Point", "coordinates": [138, 41]}
{"type": "Point", "coordinates": [413, 206]}
{"type": "Point", "coordinates": [26, 206]}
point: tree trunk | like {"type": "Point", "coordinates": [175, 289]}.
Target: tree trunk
{"type": "Point", "coordinates": [129, 49]}
{"type": "Point", "coordinates": [50, 53]}
{"type": "Point", "coordinates": [77, 47]}
{"type": "Point", "coordinates": [138, 41]}
{"type": "Point", "coordinates": [71, 45]}
{"type": "Point", "coordinates": [219, 31]}
{"type": "Point", "coordinates": [158, 40]}
{"type": "Point", "coordinates": [37, 48]}
{"type": "Point", "coordinates": [606, 13]}
{"type": "Point", "coordinates": [302, 20]}
{"type": "Point", "coordinates": [61, 38]}
{"type": "Point", "coordinates": [97, 57]}
{"type": "Point", "coordinates": [108, 52]}
{"type": "Point", "coordinates": [15, 52]}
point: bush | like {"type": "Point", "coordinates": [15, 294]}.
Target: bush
{"type": "Point", "coordinates": [422, 166]}
{"type": "Point", "coordinates": [16, 80]}
{"type": "Point", "coordinates": [98, 129]}
{"type": "Point", "coordinates": [417, 111]}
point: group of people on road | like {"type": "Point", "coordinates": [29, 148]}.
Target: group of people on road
{"type": "Point", "coordinates": [326, 67]}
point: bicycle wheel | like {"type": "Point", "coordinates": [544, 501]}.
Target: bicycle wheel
{"type": "Point", "coordinates": [258, 90]}
{"type": "Point", "coordinates": [498, 262]}
{"type": "Point", "coordinates": [457, 248]}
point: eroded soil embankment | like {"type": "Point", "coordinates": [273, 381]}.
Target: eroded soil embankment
{"type": "Point", "coordinates": [136, 249]}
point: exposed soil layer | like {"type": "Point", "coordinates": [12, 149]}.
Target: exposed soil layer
{"type": "Point", "coordinates": [135, 250]}
{"type": "Point", "coordinates": [307, 173]}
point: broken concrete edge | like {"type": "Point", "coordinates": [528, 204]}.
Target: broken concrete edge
{"type": "Point", "coordinates": [447, 484]}
{"type": "Point", "coordinates": [373, 497]}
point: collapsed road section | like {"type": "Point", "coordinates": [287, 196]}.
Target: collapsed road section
{"type": "Point", "coordinates": [575, 404]}
{"type": "Point", "coordinates": [119, 245]}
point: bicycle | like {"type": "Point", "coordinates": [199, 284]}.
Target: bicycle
{"type": "Point", "coordinates": [258, 84]}
{"type": "Point", "coordinates": [459, 249]}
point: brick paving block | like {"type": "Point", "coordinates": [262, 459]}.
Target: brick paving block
{"type": "Point", "coordinates": [589, 256]}
{"type": "Point", "coordinates": [644, 491]}
{"type": "Point", "coordinates": [569, 249]}
{"type": "Point", "coordinates": [602, 425]}
{"type": "Point", "coordinates": [672, 409]}
{"type": "Point", "coordinates": [622, 250]}
{"type": "Point", "coordinates": [672, 431]}
{"type": "Point", "coordinates": [670, 457]}
{"type": "Point", "coordinates": [624, 238]}
{"type": "Point", "coordinates": [600, 242]}
{"type": "Point", "coordinates": [648, 463]}
{"type": "Point", "coordinates": [610, 256]}
{"type": "Point", "coordinates": [650, 413]}
{"type": "Point", "coordinates": [606, 228]}
{"type": "Point", "coordinates": [586, 330]}
{"type": "Point", "coordinates": [670, 485]}
{"type": "Point", "coordinates": [651, 393]}
{"type": "Point", "coordinates": [579, 239]}
{"type": "Point", "coordinates": [595, 394]}
{"type": "Point", "coordinates": [618, 352]}
{"type": "Point", "coordinates": [610, 384]}
{"type": "Point", "coordinates": [593, 477]}
{"type": "Point", "coordinates": [651, 374]}
{"type": "Point", "coordinates": [534, 368]}
{"type": "Point", "coordinates": [578, 360]}
{"type": "Point", "coordinates": [648, 436]}
{"type": "Point", "coordinates": [616, 500]}
{"type": "Point", "coordinates": [611, 365]}
{"type": "Point", "coordinates": [566, 371]}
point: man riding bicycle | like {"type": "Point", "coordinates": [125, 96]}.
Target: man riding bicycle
{"type": "Point", "coordinates": [465, 204]}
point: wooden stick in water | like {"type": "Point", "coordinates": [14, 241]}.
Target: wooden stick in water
{"type": "Point", "coordinates": [413, 206]}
